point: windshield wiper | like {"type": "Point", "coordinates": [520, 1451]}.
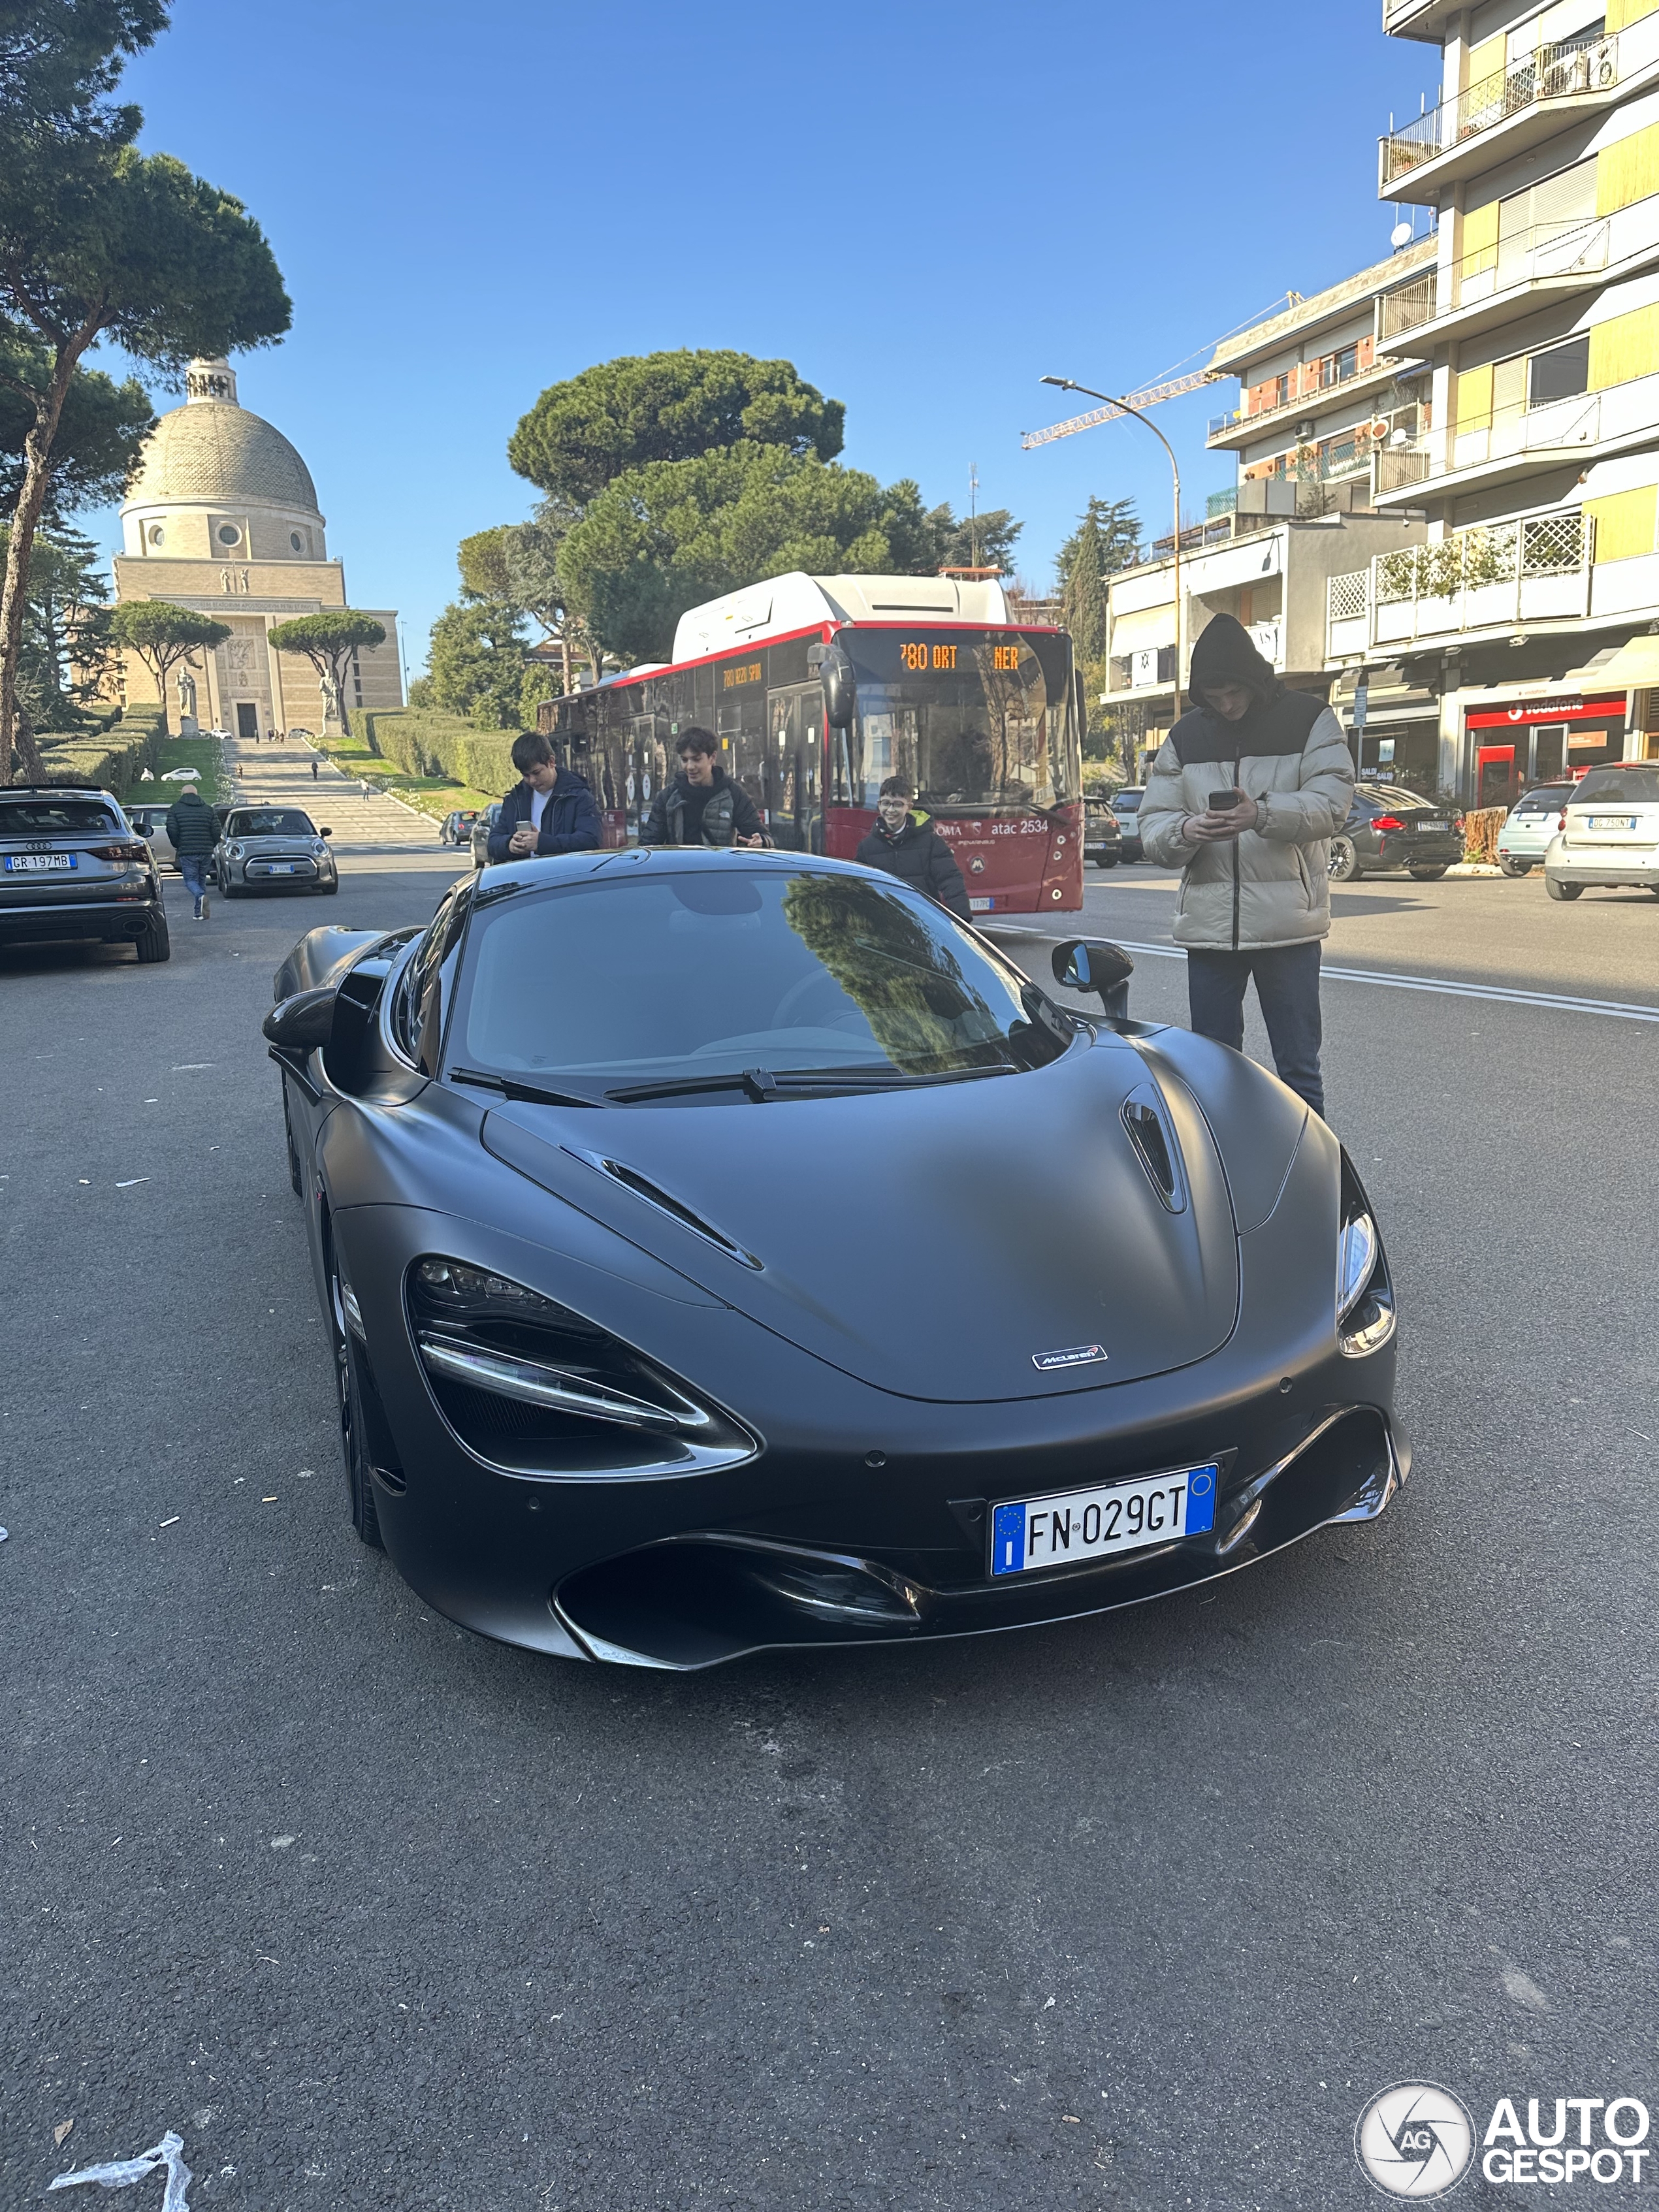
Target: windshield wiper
{"type": "Point", "coordinates": [762, 1085]}
{"type": "Point", "coordinates": [530, 1093]}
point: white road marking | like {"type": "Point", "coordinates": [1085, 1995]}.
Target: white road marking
{"type": "Point", "coordinates": [1559, 1002]}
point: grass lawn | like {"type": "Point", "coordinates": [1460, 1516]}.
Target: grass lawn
{"type": "Point", "coordinates": [200, 753]}
{"type": "Point", "coordinates": [429, 794]}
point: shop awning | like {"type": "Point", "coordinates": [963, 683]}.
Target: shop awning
{"type": "Point", "coordinates": [1634, 667]}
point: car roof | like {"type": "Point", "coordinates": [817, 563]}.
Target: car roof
{"type": "Point", "coordinates": [56, 791]}
{"type": "Point", "coordinates": [682, 859]}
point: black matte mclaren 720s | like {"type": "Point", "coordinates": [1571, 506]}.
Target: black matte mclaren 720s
{"type": "Point", "coordinates": [726, 1249]}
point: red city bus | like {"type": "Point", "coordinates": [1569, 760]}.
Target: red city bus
{"type": "Point", "coordinates": [981, 714]}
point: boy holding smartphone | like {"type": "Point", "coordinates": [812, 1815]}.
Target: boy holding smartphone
{"type": "Point", "coordinates": [1244, 794]}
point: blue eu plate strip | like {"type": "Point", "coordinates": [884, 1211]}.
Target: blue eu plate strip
{"type": "Point", "coordinates": [1008, 1540]}
{"type": "Point", "coordinates": [1201, 1500]}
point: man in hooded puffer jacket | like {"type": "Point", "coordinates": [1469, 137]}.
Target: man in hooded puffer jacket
{"type": "Point", "coordinates": [1255, 892]}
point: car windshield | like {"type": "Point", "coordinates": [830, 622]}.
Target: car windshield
{"type": "Point", "coordinates": [1127, 802]}
{"type": "Point", "coordinates": [1634, 784]}
{"type": "Point", "coordinates": [707, 973]}
{"type": "Point", "coordinates": [269, 822]}
{"type": "Point", "coordinates": [52, 817]}
{"type": "Point", "coordinates": [979, 721]}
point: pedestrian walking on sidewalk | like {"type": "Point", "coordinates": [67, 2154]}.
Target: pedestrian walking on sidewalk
{"type": "Point", "coordinates": [313, 767]}
{"type": "Point", "coordinates": [363, 780]}
{"type": "Point", "coordinates": [194, 828]}
{"type": "Point", "coordinates": [1245, 792]}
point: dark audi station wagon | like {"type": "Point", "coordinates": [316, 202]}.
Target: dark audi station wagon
{"type": "Point", "coordinates": [1390, 826]}
{"type": "Point", "coordinates": [72, 867]}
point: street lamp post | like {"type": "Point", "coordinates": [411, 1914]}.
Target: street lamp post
{"type": "Point", "coordinates": [1069, 384]}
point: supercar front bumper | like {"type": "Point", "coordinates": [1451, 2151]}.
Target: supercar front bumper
{"type": "Point", "coordinates": [863, 1515]}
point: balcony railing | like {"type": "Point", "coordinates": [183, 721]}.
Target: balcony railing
{"type": "Point", "coordinates": [1557, 71]}
{"type": "Point", "coordinates": [1491, 576]}
{"type": "Point", "coordinates": [1265, 417]}
{"type": "Point", "coordinates": [1530, 257]}
{"type": "Point", "coordinates": [1396, 466]}
{"type": "Point", "coordinates": [1405, 310]}
{"type": "Point", "coordinates": [1558, 426]}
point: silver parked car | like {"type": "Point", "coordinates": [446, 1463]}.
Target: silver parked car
{"type": "Point", "coordinates": [71, 866]}
{"type": "Point", "coordinates": [1533, 821]}
{"type": "Point", "coordinates": [151, 823]}
{"type": "Point", "coordinates": [1609, 837]}
{"type": "Point", "coordinates": [268, 849]}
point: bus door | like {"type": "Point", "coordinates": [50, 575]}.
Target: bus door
{"type": "Point", "coordinates": [794, 762]}
{"type": "Point", "coordinates": [643, 772]}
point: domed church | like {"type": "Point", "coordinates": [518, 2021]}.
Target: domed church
{"type": "Point", "coordinates": [223, 518]}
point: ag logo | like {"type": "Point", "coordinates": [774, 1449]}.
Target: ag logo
{"type": "Point", "coordinates": [1415, 2140]}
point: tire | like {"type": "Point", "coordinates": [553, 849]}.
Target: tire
{"type": "Point", "coordinates": [154, 944]}
{"type": "Point", "coordinates": [1559, 890]}
{"type": "Point", "coordinates": [228, 890]}
{"type": "Point", "coordinates": [1344, 867]}
{"type": "Point", "coordinates": [1515, 867]}
{"type": "Point", "coordinates": [359, 1483]}
{"type": "Point", "coordinates": [329, 889]}
{"type": "Point", "coordinates": [1108, 860]}
{"type": "Point", "coordinates": [1428, 875]}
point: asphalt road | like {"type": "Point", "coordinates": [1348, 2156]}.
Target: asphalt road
{"type": "Point", "coordinates": [1136, 1913]}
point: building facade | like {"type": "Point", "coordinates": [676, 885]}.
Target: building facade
{"type": "Point", "coordinates": [1530, 613]}
{"type": "Point", "coordinates": [1318, 403]}
{"type": "Point", "coordinates": [223, 518]}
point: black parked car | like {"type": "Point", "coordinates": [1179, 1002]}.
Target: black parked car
{"type": "Point", "coordinates": [1390, 826]}
{"type": "Point", "coordinates": [72, 866]}
{"type": "Point", "coordinates": [1126, 805]}
{"type": "Point", "coordinates": [1102, 839]}
{"type": "Point", "coordinates": [625, 1374]}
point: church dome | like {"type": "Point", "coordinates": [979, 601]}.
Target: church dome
{"type": "Point", "coordinates": [212, 449]}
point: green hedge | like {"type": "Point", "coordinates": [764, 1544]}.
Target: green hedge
{"type": "Point", "coordinates": [111, 761]}
{"type": "Point", "coordinates": [417, 742]}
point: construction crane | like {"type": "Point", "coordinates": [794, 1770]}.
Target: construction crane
{"type": "Point", "coordinates": [1172, 389]}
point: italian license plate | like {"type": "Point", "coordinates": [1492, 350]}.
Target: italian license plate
{"type": "Point", "coordinates": [1432, 828]}
{"type": "Point", "coordinates": [981, 905]}
{"type": "Point", "coordinates": [1613, 822]}
{"type": "Point", "coordinates": [279, 867]}
{"type": "Point", "coordinates": [1092, 1524]}
{"type": "Point", "coordinates": [39, 864]}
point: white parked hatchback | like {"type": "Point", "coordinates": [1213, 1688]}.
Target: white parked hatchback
{"type": "Point", "coordinates": [1610, 833]}
{"type": "Point", "coordinates": [1533, 821]}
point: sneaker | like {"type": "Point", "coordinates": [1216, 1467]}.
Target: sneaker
{"type": "Point", "coordinates": [200, 916]}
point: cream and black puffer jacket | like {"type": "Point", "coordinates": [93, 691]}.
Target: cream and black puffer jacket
{"type": "Point", "coordinates": [1270, 886]}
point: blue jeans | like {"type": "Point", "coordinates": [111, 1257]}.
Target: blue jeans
{"type": "Point", "coordinates": [1287, 991]}
{"type": "Point", "coordinates": [191, 867]}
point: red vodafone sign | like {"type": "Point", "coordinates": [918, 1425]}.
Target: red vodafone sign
{"type": "Point", "coordinates": [1570, 709]}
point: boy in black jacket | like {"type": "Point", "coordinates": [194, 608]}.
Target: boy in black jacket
{"type": "Point", "coordinates": [551, 810]}
{"type": "Point", "coordinates": [906, 845]}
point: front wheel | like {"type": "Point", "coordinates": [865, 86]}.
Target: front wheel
{"type": "Point", "coordinates": [1513, 867]}
{"type": "Point", "coordinates": [1106, 860]}
{"type": "Point", "coordinates": [1344, 867]}
{"type": "Point", "coordinates": [1429, 875]}
{"type": "Point", "coordinates": [329, 889]}
{"type": "Point", "coordinates": [1560, 890]}
{"type": "Point", "coordinates": [228, 889]}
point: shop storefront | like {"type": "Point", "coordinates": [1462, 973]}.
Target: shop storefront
{"type": "Point", "coordinates": [1527, 741]}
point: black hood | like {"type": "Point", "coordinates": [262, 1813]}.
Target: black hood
{"type": "Point", "coordinates": [1224, 654]}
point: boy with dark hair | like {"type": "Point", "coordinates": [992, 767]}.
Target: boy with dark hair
{"type": "Point", "coordinates": [551, 811]}
{"type": "Point", "coordinates": [702, 805]}
{"type": "Point", "coordinates": [904, 843]}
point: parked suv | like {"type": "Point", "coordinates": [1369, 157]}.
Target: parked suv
{"type": "Point", "coordinates": [1610, 833]}
{"type": "Point", "coordinates": [72, 867]}
{"type": "Point", "coordinates": [1390, 826]}
{"type": "Point", "coordinates": [480, 833]}
{"type": "Point", "coordinates": [1533, 821]}
{"type": "Point", "coordinates": [1126, 805]}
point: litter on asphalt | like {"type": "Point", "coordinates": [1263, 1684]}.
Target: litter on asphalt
{"type": "Point", "coordinates": [121, 2173]}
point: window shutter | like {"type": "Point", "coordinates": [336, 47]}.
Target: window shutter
{"type": "Point", "coordinates": [1624, 523]}
{"type": "Point", "coordinates": [1628, 170]}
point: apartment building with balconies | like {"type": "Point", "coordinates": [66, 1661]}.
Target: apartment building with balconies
{"type": "Point", "coordinates": [1318, 403]}
{"type": "Point", "coordinates": [1536, 457]}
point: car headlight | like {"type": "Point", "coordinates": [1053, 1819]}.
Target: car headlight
{"type": "Point", "coordinates": [530, 1385]}
{"type": "Point", "coordinates": [318, 848]}
{"type": "Point", "coordinates": [1365, 1317]}
{"type": "Point", "coordinates": [234, 852]}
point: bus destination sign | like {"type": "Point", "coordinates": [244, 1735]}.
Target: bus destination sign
{"type": "Point", "coordinates": [942, 658]}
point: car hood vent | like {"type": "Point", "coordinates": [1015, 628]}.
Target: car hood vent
{"type": "Point", "coordinates": [665, 1201]}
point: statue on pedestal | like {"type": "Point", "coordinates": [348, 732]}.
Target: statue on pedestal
{"type": "Point", "coordinates": [187, 722]}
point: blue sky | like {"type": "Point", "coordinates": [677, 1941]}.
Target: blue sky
{"type": "Point", "coordinates": [924, 207]}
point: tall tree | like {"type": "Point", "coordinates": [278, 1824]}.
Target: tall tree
{"type": "Point", "coordinates": [162, 636]}
{"type": "Point", "coordinates": [983, 541]}
{"type": "Point", "coordinates": [662, 539]}
{"type": "Point", "coordinates": [1106, 539]}
{"type": "Point", "coordinates": [100, 242]}
{"type": "Point", "coordinates": [475, 662]}
{"type": "Point", "coordinates": [67, 652]}
{"type": "Point", "coordinates": [100, 435]}
{"type": "Point", "coordinates": [329, 641]}
{"type": "Point", "coordinates": [518, 564]}
{"type": "Point", "coordinates": [629, 413]}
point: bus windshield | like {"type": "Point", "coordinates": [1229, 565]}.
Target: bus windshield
{"type": "Point", "coordinates": [981, 722]}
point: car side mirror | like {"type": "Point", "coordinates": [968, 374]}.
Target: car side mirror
{"type": "Point", "coordinates": [325, 833]}
{"type": "Point", "coordinates": [840, 688]}
{"type": "Point", "coordinates": [303, 1023]}
{"type": "Point", "coordinates": [1086, 963]}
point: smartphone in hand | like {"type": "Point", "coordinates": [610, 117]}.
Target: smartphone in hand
{"type": "Point", "coordinates": [1223, 802]}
